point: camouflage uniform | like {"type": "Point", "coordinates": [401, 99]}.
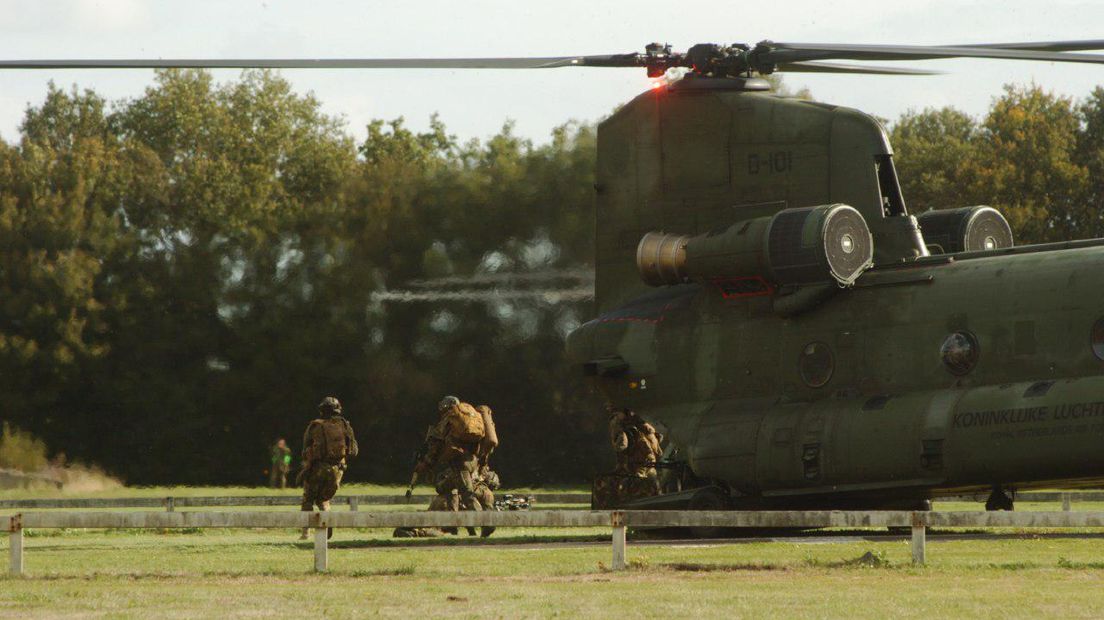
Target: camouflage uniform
{"type": "Point", "coordinates": [454, 465]}
{"type": "Point", "coordinates": [486, 483]}
{"type": "Point", "coordinates": [636, 445]}
{"type": "Point", "coordinates": [456, 472]}
{"type": "Point", "coordinates": [321, 478]}
{"type": "Point", "coordinates": [619, 441]}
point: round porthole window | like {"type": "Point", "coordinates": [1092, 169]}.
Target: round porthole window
{"type": "Point", "coordinates": [816, 364]}
{"type": "Point", "coordinates": [960, 353]}
{"type": "Point", "coordinates": [1097, 339]}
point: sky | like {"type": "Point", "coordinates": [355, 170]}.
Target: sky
{"type": "Point", "coordinates": [476, 103]}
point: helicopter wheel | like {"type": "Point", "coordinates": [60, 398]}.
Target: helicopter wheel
{"type": "Point", "coordinates": [999, 500]}
{"type": "Point", "coordinates": [709, 498]}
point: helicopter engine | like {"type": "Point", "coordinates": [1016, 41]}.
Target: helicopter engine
{"type": "Point", "coordinates": [968, 229]}
{"type": "Point", "coordinates": [810, 245]}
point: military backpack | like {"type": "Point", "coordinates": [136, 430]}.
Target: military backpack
{"type": "Point", "coordinates": [465, 424]}
{"type": "Point", "coordinates": [328, 440]}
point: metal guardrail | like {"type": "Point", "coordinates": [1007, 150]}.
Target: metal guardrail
{"type": "Point", "coordinates": [617, 520]}
{"type": "Point", "coordinates": [169, 504]}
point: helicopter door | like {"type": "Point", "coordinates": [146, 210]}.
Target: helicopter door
{"type": "Point", "coordinates": [779, 448]}
{"type": "Point", "coordinates": [791, 447]}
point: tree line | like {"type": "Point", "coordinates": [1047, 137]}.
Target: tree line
{"type": "Point", "coordinates": [185, 274]}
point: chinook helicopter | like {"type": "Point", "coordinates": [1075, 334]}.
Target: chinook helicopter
{"type": "Point", "coordinates": [764, 294]}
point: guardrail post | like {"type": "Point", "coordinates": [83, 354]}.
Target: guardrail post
{"type": "Point", "coordinates": [354, 503]}
{"type": "Point", "coordinates": [617, 520]}
{"type": "Point", "coordinates": [1066, 502]}
{"type": "Point", "coordinates": [15, 544]}
{"type": "Point", "coordinates": [919, 540]}
{"type": "Point", "coordinates": [170, 504]}
{"type": "Point", "coordinates": [321, 546]}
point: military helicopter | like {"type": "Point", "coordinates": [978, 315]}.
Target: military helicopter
{"type": "Point", "coordinates": [764, 294]}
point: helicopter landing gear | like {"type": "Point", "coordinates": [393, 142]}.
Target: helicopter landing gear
{"type": "Point", "coordinates": [709, 498]}
{"type": "Point", "coordinates": [999, 500]}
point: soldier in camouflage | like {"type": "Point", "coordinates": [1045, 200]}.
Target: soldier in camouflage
{"type": "Point", "coordinates": [636, 445]}
{"type": "Point", "coordinates": [454, 464]}
{"type": "Point", "coordinates": [327, 443]}
{"type": "Point", "coordinates": [459, 479]}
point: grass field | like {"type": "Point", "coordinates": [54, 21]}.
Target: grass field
{"type": "Point", "coordinates": [266, 573]}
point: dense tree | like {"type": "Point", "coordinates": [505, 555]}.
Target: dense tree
{"type": "Point", "coordinates": [934, 150]}
{"type": "Point", "coordinates": [186, 275]}
{"type": "Point", "coordinates": [60, 191]}
{"type": "Point", "coordinates": [1033, 157]}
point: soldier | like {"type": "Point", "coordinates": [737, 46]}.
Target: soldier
{"type": "Point", "coordinates": [453, 444]}
{"type": "Point", "coordinates": [281, 462]}
{"type": "Point", "coordinates": [619, 437]}
{"type": "Point", "coordinates": [642, 455]}
{"type": "Point", "coordinates": [485, 483]}
{"type": "Point", "coordinates": [327, 443]}
{"type": "Point", "coordinates": [452, 452]}
{"type": "Point", "coordinates": [636, 445]}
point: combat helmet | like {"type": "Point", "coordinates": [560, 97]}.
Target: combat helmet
{"type": "Point", "coordinates": [329, 406]}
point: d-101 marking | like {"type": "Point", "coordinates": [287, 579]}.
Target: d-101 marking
{"type": "Point", "coordinates": [770, 163]}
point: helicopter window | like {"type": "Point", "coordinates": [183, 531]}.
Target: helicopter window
{"type": "Point", "coordinates": [960, 353]}
{"type": "Point", "coordinates": [816, 364]}
{"type": "Point", "coordinates": [1097, 339]}
{"type": "Point", "coordinates": [893, 203]}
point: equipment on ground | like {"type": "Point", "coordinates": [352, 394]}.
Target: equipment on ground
{"type": "Point", "coordinates": [514, 502]}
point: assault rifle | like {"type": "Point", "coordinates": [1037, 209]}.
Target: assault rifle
{"type": "Point", "coordinates": [419, 455]}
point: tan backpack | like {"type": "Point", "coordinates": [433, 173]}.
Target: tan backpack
{"type": "Point", "coordinates": [466, 424]}
{"type": "Point", "coordinates": [489, 442]}
{"type": "Point", "coordinates": [328, 440]}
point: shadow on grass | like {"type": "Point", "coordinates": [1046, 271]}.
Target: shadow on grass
{"type": "Point", "coordinates": [692, 567]}
{"type": "Point", "coordinates": [462, 541]}
{"type": "Point", "coordinates": [870, 559]}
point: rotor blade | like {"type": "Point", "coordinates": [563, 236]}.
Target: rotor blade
{"type": "Point", "coordinates": [809, 66]}
{"type": "Point", "coordinates": [792, 52]}
{"type": "Point", "coordinates": [1045, 46]}
{"type": "Point", "coordinates": [616, 60]}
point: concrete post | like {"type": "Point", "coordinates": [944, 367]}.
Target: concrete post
{"type": "Point", "coordinates": [321, 550]}
{"type": "Point", "coordinates": [354, 503]}
{"type": "Point", "coordinates": [15, 545]}
{"type": "Point", "coordinates": [1066, 502]}
{"type": "Point", "coordinates": [617, 519]}
{"type": "Point", "coordinates": [919, 541]}
{"type": "Point", "coordinates": [170, 504]}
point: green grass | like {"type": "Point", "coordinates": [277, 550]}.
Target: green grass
{"type": "Point", "coordinates": [266, 573]}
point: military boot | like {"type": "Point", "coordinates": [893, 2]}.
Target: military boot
{"type": "Point", "coordinates": [453, 506]}
{"type": "Point", "coordinates": [471, 503]}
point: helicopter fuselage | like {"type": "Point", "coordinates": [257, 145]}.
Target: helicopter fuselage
{"type": "Point", "coordinates": [925, 375]}
{"type": "Point", "coordinates": [854, 397]}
